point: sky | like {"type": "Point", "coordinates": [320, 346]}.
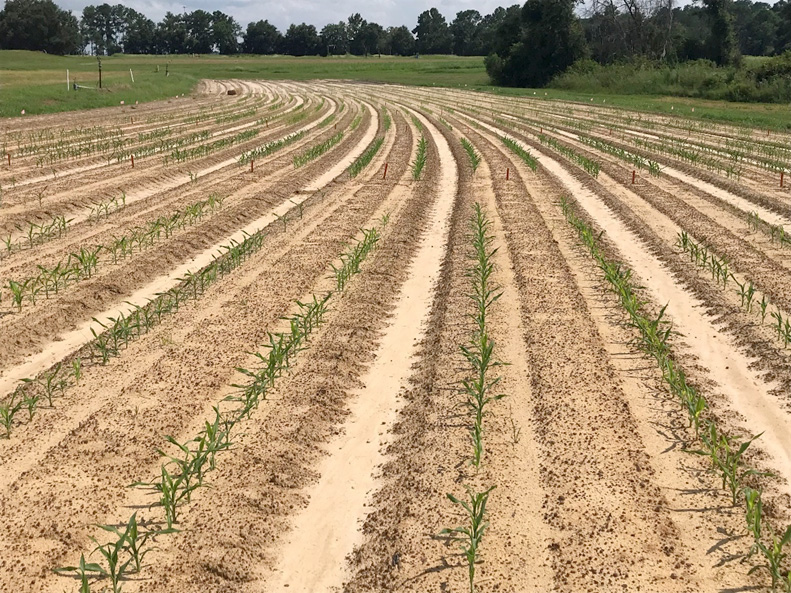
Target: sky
{"type": "Point", "coordinates": [282, 13]}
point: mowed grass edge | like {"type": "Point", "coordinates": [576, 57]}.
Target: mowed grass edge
{"type": "Point", "coordinates": [36, 82]}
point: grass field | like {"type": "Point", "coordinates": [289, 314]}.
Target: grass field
{"type": "Point", "coordinates": [36, 82]}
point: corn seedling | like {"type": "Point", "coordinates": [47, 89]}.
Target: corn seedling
{"type": "Point", "coordinates": [113, 554]}
{"type": "Point", "coordinates": [300, 207]}
{"type": "Point", "coordinates": [76, 369]}
{"type": "Point", "coordinates": [420, 158]}
{"type": "Point", "coordinates": [470, 536]}
{"type": "Point", "coordinates": [316, 151]}
{"type": "Point", "coordinates": [84, 571]}
{"type": "Point", "coordinates": [362, 161]}
{"type": "Point", "coordinates": [724, 451]}
{"type": "Point", "coordinates": [9, 409]}
{"type": "Point", "coordinates": [520, 152]}
{"type": "Point", "coordinates": [591, 167]}
{"type": "Point", "coordinates": [475, 158]}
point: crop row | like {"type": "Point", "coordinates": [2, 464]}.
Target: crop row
{"type": "Point", "coordinates": [161, 146]}
{"type": "Point", "coordinates": [105, 207]}
{"type": "Point", "coordinates": [421, 156]}
{"type": "Point", "coordinates": [724, 451]}
{"type": "Point", "coordinates": [201, 150]}
{"type": "Point", "coordinates": [748, 294]}
{"type": "Point", "coordinates": [183, 472]}
{"type": "Point", "coordinates": [680, 151]}
{"type": "Point", "coordinates": [523, 154]}
{"type": "Point", "coordinates": [776, 232]}
{"type": "Point", "coordinates": [269, 148]}
{"type": "Point", "coordinates": [232, 117]}
{"type": "Point", "coordinates": [475, 158]}
{"type": "Point", "coordinates": [590, 166]}
{"type": "Point", "coordinates": [327, 120]}
{"type": "Point", "coordinates": [635, 159]}
{"type": "Point", "coordinates": [316, 151]}
{"type": "Point", "coordinates": [365, 158]}
{"type": "Point", "coordinates": [37, 233]}
{"type": "Point", "coordinates": [81, 265]}
{"type": "Point", "coordinates": [478, 388]}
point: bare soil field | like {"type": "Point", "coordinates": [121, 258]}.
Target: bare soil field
{"type": "Point", "coordinates": [336, 336]}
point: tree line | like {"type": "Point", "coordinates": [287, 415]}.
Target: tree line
{"type": "Point", "coordinates": [524, 45]}
{"type": "Point", "coordinates": [108, 29]}
{"type": "Point", "coordinates": [542, 38]}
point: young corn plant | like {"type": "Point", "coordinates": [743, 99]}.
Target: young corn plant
{"type": "Point", "coordinates": [523, 154]}
{"type": "Point", "coordinates": [470, 536]}
{"type": "Point", "coordinates": [362, 161]}
{"type": "Point", "coordinates": [475, 158]}
{"type": "Point", "coordinates": [270, 147]}
{"type": "Point", "coordinates": [84, 571]}
{"type": "Point", "coordinates": [316, 151]}
{"type": "Point", "coordinates": [724, 451]}
{"type": "Point", "coordinates": [725, 454]}
{"type": "Point", "coordinates": [420, 158]}
{"type": "Point", "coordinates": [590, 166]}
{"type": "Point", "coordinates": [479, 351]}
{"type": "Point", "coordinates": [9, 410]}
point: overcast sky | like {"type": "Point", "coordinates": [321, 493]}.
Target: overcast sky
{"type": "Point", "coordinates": [282, 13]}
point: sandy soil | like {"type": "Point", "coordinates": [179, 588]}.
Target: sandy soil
{"type": "Point", "coordinates": [339, 480]}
